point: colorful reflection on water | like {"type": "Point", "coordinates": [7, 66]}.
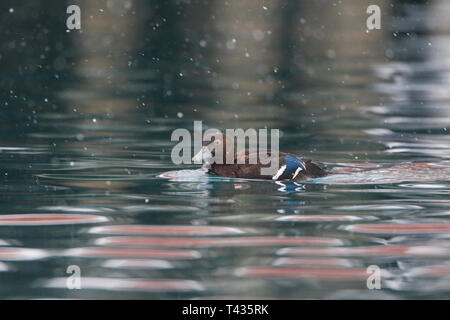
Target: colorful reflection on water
{"type": "Point", "coordinates": [86, 177]}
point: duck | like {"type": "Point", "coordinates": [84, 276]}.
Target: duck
{"type": "Point", "coordinates": [290, 167]}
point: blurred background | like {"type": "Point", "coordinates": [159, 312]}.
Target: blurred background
{"type": "Point", "coordinates": [85, 123]}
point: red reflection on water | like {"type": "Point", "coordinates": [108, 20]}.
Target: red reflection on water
{"type": "Point", "coordinates": [99, 252]}
{"type": "Point", "coordinates": [394, 250]}
{"type": "Point", "coordinates": [338, 169]}
{"type": "Point", "coordinates": [218, 242]}
{"type": "Point", "coordinates": [138, 264]}
{"type": "Point", "coordinates": [318, 218]}
{"type": "Point", "coordinates": [359, 165]}
{"type": "Point", "coordinates": [127, 284]}
{"type": "Point", "coordinates": [312, 262]}
{"type": "Point", "coordinates": [9, 253]}
{"type": "Point", "coordinates": [399, 228]}
{"type": "Point", "coordinates": [276, 272]}
{"type": "Point", "coordinates": [48, 219]}
{"type": "Point", "coordinates": [434, 271]}
{"type": "Point", "coordinates": [166, 230]}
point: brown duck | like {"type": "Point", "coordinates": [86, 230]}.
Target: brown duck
{"type": "Point", "coordinates": [290, 167]}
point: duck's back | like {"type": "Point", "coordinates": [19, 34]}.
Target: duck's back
{"type": "Point", "coordinates": [290, 167]}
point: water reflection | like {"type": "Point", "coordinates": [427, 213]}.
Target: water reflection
{"type": "Point", "coordinates": [85, 169]}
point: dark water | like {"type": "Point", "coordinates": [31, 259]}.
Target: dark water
{"type": "Point", "coordinates": [85, 125]}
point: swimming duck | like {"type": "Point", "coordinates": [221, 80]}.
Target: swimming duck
{"type": "Point", "coordinates": [291, 167]}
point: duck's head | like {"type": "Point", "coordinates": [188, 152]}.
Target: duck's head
{"type": "Point", "coordinates": [215, 149]}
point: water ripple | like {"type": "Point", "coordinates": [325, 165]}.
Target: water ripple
{"type": "Point", "coordinates": [217, 242]}
{"type": "Point", "coordinates": [100, 252]}
{"type": "Point", "coordinates": [48, 219]}
{"type": "Point", "coordinates": [166, 230]}
{"type": "Point", "coordinates": [127, 284]}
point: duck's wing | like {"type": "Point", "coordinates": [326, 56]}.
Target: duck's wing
{"type": "Point", "coordinates": [290, 167]}
{"type": "Point", "coordinates": [298, 168]}
{"type": "Point", "coordinates": [312, 168]}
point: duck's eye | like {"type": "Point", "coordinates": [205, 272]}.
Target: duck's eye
{"type": "Point", "coordinates": [217, 142]}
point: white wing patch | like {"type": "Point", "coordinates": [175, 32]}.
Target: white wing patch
{"type": "Point", "coordinates": [297, 172]}
{"type": "Point", "coordinates": [279, 173]}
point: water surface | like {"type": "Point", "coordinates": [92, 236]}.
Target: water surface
{"type": "Point", "coordinates": [85, 126]}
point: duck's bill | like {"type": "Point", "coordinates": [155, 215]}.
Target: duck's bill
{"type": "Point", "coordinates": [204, 155]}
